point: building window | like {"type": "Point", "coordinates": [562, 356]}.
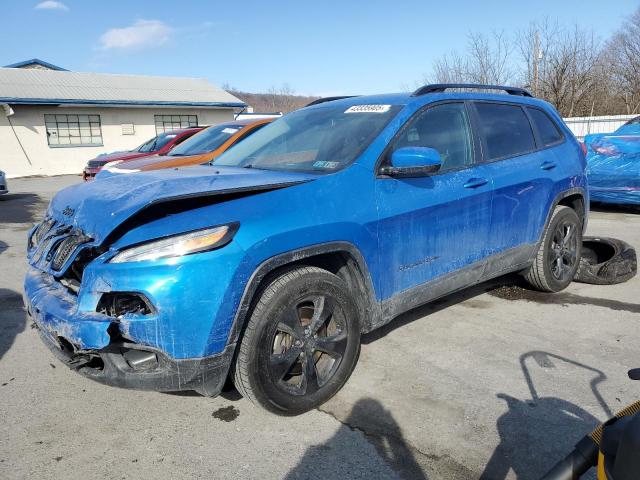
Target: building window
{"type": "Point", "coordinates": [73, 130]}
{"type": "Point", "coordinates": [166, 123]}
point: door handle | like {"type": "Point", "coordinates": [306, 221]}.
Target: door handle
{"type": "Point", "coordinates": [475, 182]}
{"type": "Point", "coordinates": [548, 165]}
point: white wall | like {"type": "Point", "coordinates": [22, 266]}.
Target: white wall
{"type": "Point", "coordinates": [581, 126]}
{"type": "Point", "coordinates": [41, 159]}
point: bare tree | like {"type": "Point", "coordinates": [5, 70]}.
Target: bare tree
{"type": "Point", "coordinates": [450, 68]}
{"type": "Point", "coordinates": [486, 60]}
{"type": "Point", "coordinates": [561, 65]}
{"type": "Point", "coordinates": [623, 53]}
{"type": "Point", "coordinates": [281, 99]}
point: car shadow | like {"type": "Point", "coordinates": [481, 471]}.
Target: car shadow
{"type": "Point", "coordinates": [21, 208]}
{"type": "Point", "coordinates": [379, 428]}
{"type": "Point", "coordinates": [13, 318]}
{"type": "Point", "coordinates": [440, 304]}
{"type": "Point", "coordinates": [538, 432]}
{"type": "Point", "coordinates": [614, 208]}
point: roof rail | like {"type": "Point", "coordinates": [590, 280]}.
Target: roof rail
{"type": "Point", "coordinates": [329, 99]}
{"type": "Point", "coordinates": [441, 87]}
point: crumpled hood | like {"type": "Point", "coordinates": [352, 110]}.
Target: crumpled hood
{"type": "Point", "coordinates": [97, 208]}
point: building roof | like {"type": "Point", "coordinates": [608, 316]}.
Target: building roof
{"type": "Point", "coordinates": [52, 87]}
{"type": "Point", "coordinates": [35, 62]}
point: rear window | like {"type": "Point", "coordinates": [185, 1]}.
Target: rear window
{"type": "Point", "coordinates": [547, 129]}
{"type": "Point", "coordinates": [506, 130]}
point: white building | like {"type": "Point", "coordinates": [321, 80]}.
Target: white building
{"type": "Point", "coordinates": [52, 121]}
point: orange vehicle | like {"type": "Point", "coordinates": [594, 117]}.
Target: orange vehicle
{"type": "Point", "coordinates": [201, 148]}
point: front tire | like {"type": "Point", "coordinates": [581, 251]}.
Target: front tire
{"type": "Point", "coordinates": [559, 253]}
{"type": "Point", "coordinates": [301, 342]}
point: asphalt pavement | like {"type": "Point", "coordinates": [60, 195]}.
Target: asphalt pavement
{"type": "Point", "coordinates": [494, 382]}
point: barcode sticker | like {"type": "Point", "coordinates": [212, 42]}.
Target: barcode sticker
{"type": "Point", "coordinates": [368, 109]}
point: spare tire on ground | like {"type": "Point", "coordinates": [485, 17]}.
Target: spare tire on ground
{"type": "Point", "coordinates": [606, 261]}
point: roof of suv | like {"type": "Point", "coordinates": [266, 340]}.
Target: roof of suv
{"type": "Point", "coordinates": [430, 93]}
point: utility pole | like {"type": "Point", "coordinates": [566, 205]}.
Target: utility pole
{"type": "Point", "coordinates": [537, 55]}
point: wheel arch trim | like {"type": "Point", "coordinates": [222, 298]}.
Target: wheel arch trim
{"type": "Point", "coordinates": [556, 201]}
{"type": "Point", "coordinates": [297, 256]}
{"type": "Point", "coordinates": [564, 195]}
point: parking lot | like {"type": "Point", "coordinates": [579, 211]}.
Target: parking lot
{"type": "Point", "coordinates": [493, 382]}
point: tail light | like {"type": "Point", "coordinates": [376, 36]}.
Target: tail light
{"type": "Point", "coordinates": [584, 148]}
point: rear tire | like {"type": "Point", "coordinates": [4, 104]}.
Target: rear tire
{"type": "Point", "coordinates": [559, 253]}
{"type": "Point", "coordinates": [301, 342]}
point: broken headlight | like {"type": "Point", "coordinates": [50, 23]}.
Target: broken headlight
{"type": "Point", "coordinates": [179, 245]}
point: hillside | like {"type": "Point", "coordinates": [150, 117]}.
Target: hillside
{"type": "Point", "coordinates": [273, 101]}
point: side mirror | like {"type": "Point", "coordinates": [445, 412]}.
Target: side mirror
{"type": "Point", "coordinates": [413, 162]}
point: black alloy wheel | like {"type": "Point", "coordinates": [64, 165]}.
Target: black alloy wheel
{"type": "Point", "coordinates": [301, 342]}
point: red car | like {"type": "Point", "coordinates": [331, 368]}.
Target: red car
{"type": "Point", "coordinates": [159, 145]}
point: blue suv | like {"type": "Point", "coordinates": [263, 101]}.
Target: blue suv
{"type": "Point", "coordinates": [269, 265]}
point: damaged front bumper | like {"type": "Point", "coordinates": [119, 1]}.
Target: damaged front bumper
{"type": "Point", "coordinates": [91, 344]}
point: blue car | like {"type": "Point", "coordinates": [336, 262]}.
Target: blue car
{"type": "Point", "coordinates": [613, 165]}
{"type": "Point", "coordinates": [269, 265]}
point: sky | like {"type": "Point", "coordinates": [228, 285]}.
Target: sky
{"type": "Point", "coordinates": [325, 47]}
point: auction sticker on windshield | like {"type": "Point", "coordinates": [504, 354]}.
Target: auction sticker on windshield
{"type": "Point", "coordinates": [368, 109]}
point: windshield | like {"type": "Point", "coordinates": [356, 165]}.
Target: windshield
{"type": "Point", "coordinates": [206, 141]}
{"type": "Point", "coordinates": [156, 143]}
{"type": "Point", "coordinates": [319, 140]}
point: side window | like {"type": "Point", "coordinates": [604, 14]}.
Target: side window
{"type": "Point", "coordinates": [444, 128]}
{"type": "Point", "coordinates": [546, 127]}
{"type": "Point", "coordinates": [506, 129]}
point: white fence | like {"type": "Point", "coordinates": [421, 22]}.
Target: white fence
{"type": "Point", "coordinates": [581, 126]}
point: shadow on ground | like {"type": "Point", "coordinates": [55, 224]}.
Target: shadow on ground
{"type": "Point", "coordinates": [536, 435]}
{"type": "Point", "coordinates": [21, 208]}
{"type": "Point", "coordinates": [510, 287]}
{"type": "Point", "coordinates": [610, 208]}
{"type": "Point", "coordinates": [13, 318]}
{"type": "Point", "coordinates": [380, 429]}
{"type": "Point", "coordinates": [441, 304]}
{"type": "Point", "coordinates": [538, 432]}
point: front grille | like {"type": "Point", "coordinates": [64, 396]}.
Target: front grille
{"type": "Point", "coordinates": [42, 230]}
{"type": "Point", "coordinates": [63, 250]}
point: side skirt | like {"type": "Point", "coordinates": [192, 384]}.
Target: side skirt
{"type": "Point", "coordinates": [509, 261]}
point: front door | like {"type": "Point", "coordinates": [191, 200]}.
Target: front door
{"type": "Point", "coordinates": [432, 226]}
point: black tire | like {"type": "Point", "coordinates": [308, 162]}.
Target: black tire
{"type": "Point", "coordinates": [302, 314]}
{"type": "Point", "coordinates": [559, 253]}
{"type": "Point", "coordinates": [606, 261]}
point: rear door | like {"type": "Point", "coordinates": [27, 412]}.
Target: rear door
{"type": "Point", "coordinates": [522, 172]}
{"type": "Point", "coordinates": [438, 224]}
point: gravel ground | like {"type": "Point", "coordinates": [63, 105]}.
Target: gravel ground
{"type": "Point", "coordinates": [494, 382]}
